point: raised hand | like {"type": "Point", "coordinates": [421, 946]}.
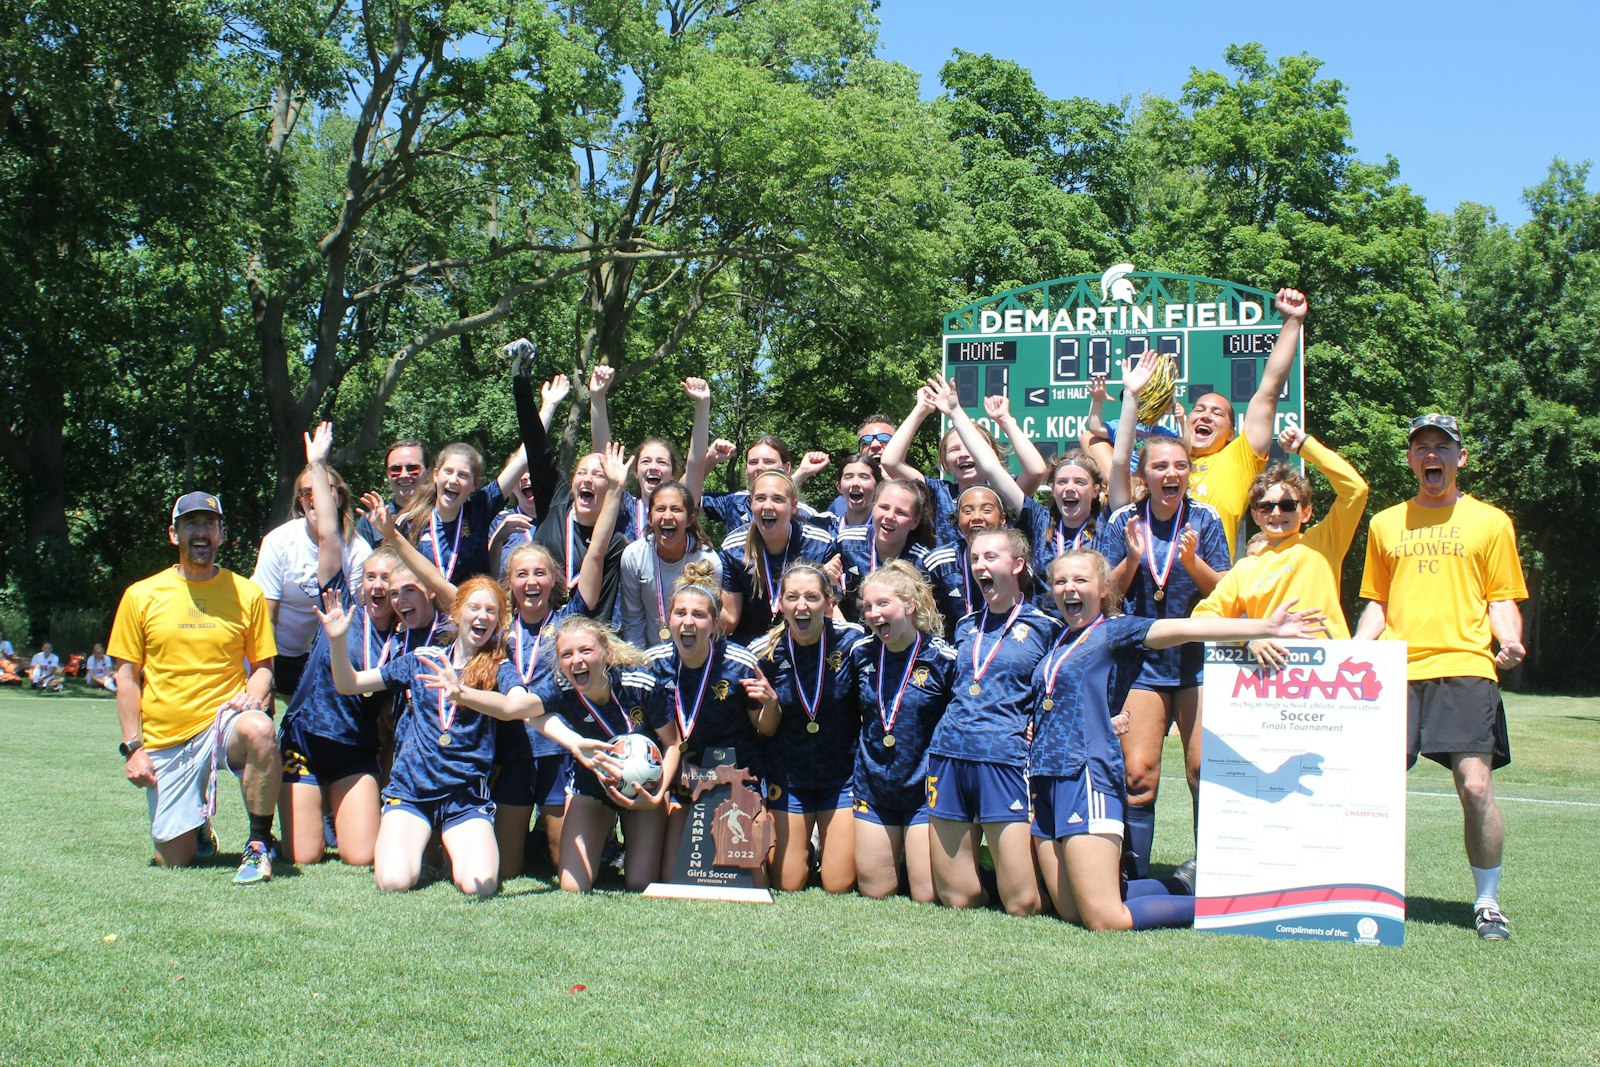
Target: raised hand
{"type": "Point", "coordinates": [1135, 376]}
{"type": "Point", "coordinates": [600, 378]}
{"type": "Point", "coordinates": [1097, 388]}
{"type": "Point", "coordinates": [555, 390]}
{"type": "Point", "coordinates": [1188, 543]}
{"type": "Point", "coordinates": [335, 620]}
{"type": "Point", "coordinates": [720, 451]}
{"type": "Point", "coordinates": [1135, 537]}
{"type": "Point", "coordinates": [941, 396]}
{"type": "Point", "coordinates": [812, 463]}
{"type": "Point", "coordinates": [997, 407]}
{"type": "Point", "coordinates": [319, 443]}
{"type": "Point", "coordinates": [378, 515]}
{"type": "Point", "coordinates": [443, 677]}
{"type": "Point", "coordinates": [617, 463]}
{"type": "Point", "coordinates": [1291, 304]}
{"type": "Point", "coordinates": [697, 389]}
{"type": "Point", "coordinates": [1292, 438]}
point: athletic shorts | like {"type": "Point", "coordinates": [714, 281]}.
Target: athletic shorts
{"type": "Point", "coordinates": [968, 791]}
{"type": "Point", "coordinates": [1066, 807]}
{"type": "Point", "coordinates": [182, 793]}
{"type": "Point", "coordinates": [286, 672]}
{"type": "Point", "coordinates": [459, 807]}
{"type": "Point", "coordinates": [806, 801]}
{"type": "Point", "coordinates": [543, 781]}
{"type": "Point", "coordinates": [1447, 716]}
{"type": "Point", "coordinates": [901, 817]}
{"type": "Point", "coordinates": [312, 760]}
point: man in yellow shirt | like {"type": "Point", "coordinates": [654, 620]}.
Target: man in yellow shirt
{"type": "Point", "coordinates": [183, 641]}
{"type": "Point", "coordinates": [1443, 575]}
{"type": "Point", "coordinates": [1224, 464]}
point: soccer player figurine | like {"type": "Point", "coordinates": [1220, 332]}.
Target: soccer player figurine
{"type": "Point", "coordinates": [183, 639]}
{"type": "Point", "coordinates": [1443, 574]}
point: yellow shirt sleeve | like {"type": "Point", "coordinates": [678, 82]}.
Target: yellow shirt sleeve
{"type": "Point", "coordinates": [1223, 479]}
{"type": "Point", "coordinates": [1331, 536]}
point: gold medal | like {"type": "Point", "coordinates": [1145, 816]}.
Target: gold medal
{"type": "Point", "coordinates": [888, 740]}
{"type": "Point", "coordinates": [974, 688]}
{"type": "Point", "coordinates": [666, 634]}
{"type": "Point", "coordinates": [1047, 703]}
{"type": "Point", "coordinates": [444, 739]}
{"type": "Point", "coordinates": [812, 727]}
{"type": "Point", "coordinates": [1161, 594]}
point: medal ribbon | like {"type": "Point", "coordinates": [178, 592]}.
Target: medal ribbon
{"type": "Point", "coordinates": [1077, 538]}
{"type": "Point", "coordinates": [532, 661]}
{"type": "Point", "coordinates": [447, 713]}
{"type": "Point", "coordinates": [1052, 670]}
{"type": "Point", "coordinates": [432, 629]}
{"type": "Point", "coordinates": [594, 712]}
{"type": "Point", "coordinates": [774, 579]}
{"type": "Point", "coordinates": [887, 714]}
{"type": "Point", "coordinates": [977, 644]}
{"type": "Point", "coordinates": [437, 543]}
{"type": "Point", "coordinates": [811, 703]}
{"type": "Point", "coordinates": [661, 594]}
{"type": "Point", "coordinates": [1172, 546]}
{"type": "Point", "coordinates": [686, 720]}
{"type": "Point", "coordinates": [366, 644]}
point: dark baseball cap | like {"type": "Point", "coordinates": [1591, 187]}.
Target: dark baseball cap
{"type": "Point", "coordinates": [1446, 423]}
{"type": "Point", "coordinates": [192, 502]}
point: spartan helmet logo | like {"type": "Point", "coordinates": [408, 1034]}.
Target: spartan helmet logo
{"type": "Point", "coordinates": [1114, 284]}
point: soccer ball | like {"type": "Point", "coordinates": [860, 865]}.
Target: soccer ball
{"type": "Point", "coordinates": [640, 763]}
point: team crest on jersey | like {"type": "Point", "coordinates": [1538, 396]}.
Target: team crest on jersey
{"type": "Point", "coordinates": [836, 661]}
{"type": "Point", "coordinates": [720, 690]}
{"type": "Point", "coordinates": [1020, 632]}
{"type": "Point", "coordinates": [636, 716]}
{"type": "Point", "coordinates": [548, 631]}
{"type": "Point", "coordinates": [919, 677]}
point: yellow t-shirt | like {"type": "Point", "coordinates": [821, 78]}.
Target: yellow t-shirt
{"type": "Point", "coordinates": [1437, 570]}
{"type": "Point", "coordinates": [192, 640]}
{"type": "Point", "coordinates": [1223, 479]}
{"type": "Point", "coordinates": [1259, 585]}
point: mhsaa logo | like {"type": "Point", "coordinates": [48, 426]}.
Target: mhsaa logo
{"type": "Point", "coordinates": [1357, 681]}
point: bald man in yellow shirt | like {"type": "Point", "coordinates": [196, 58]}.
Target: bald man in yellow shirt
{"type": "Point", "coordinates": [1443, 576]}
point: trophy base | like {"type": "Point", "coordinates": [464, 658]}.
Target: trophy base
{"type": "Point", "coordinates": [734, 894]}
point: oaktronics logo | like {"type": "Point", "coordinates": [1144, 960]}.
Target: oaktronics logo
{"type": "Point", "coordinates": [1356, 681]}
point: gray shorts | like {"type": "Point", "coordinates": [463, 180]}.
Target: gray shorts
{"type": "Point", "coordinates": [182, 797]}
{"type": "Point", "coordinates": [1449, 716]}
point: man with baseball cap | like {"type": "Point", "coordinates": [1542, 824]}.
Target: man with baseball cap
{"type": "Point", "coordinates": [1443, 575]}
{"type": "Point", "coordinates": [183, 641]}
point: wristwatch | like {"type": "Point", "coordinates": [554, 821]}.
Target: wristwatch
{"type": "Point", "coordinates": [128, 748]}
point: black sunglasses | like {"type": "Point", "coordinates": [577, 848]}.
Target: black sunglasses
{"type": "Point", "coordinates": [881, 438]}
{"type": "Point", "coordinates": [1285, 504]}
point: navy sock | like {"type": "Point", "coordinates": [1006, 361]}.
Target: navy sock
{"type": "Point", "coordinates": [1149, 887]}
{"type": "Point", "coordinates": [1139, 822]}
{"type": "Point", "coordinates": [260, 827]}
{"type": "Point", "coordinates": [1155, 909]}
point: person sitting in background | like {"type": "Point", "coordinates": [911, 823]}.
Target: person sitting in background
{"type": "Point", "coordinates": [8, 662]}
{"type": "Point", "coordinates": [44, 670]}
{"type": "Point", "coordinates": [99, 671]}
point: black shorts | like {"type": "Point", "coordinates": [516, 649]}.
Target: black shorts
{"type": "Point", "coordinates": [1449, 716]}
{"type": "Point", "coordinates": [286, 672]}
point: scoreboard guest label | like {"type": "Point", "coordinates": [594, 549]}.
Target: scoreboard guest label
{"type": "Point", "coordinates": [1302, 819]}
{"type": "Point", "coordinates": [1041, 344]}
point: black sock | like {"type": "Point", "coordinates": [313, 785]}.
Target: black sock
{"type": "Point", "coordinates": [260, 827]}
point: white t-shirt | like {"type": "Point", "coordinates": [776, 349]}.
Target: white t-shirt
{"type": "Point", "coordinates": [6, 648]}
{"type": "Point", "coordinates": [99, 666]}
{"type": "Point", "coordinates": [286, 570]}
{"type": "Point", "coordinates": [44, 665]}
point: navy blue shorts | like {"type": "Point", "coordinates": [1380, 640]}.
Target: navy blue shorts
{"type": "Point", "coordinates": [968, 791]}
{"type": "Point", "coordinates": [806, 801]}
{"type": "Point", "coordinates": [442, 814]}
{"type": "Point", "coordinates": [540, 782]}
{"type": "Point", "coordinates": [312, 760]}
{"type": "Point", "coordinates": [1066, 807]}
{"type": "Point", "coordinates": [901, 817]}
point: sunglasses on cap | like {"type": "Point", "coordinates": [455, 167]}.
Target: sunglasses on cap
{"type": "Point", "coordinates": [880, 438]}
{"type": "Point", "coordinates": [1445, 423]}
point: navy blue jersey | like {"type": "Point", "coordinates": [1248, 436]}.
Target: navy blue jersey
{"type": "Point", "coordinates": [424, 768]}
{"type": "Point", "coordinates": [806, 542]}
{"type": "Point", "coordinates": [949, 570]}
{"type": "Point", "coordinates": [944, 493]}
{"type": "Point", "coordinates": [624, 712]}
{"type": "Point", "coordinates": [1049, 540]}
{"type": "Point", "coordinates": [858, 548]}
{"type": "Point", "coordinates": [708, 702]}
{"type": "Point", "coordinates": [732, 509]}
{"type": "Point", "coordinates": [513, 540]}
{"type": "Point", "coordinates": [813, 684]}
{"type": "Point", "coordinates": [1091, 683]}
{"type": "Point", "coordinates": [988, 726]}
{"type": "Point", "coordinates": [460, 548]}
{"type": "Point", "coordinates": [532, 651]}
{"type": "Point", "coordinates": [633, 521]}
{"type": "Point", "coordinates": [319, 709]}
{"type": "Point", "coordinates": [1181, 664]}
{"type": "Point", "coordinates": [894, 776]}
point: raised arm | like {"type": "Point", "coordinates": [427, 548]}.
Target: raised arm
{"type": "Point", "coordinates": [694, 473]}
{"type": "Point", "coordinates": [895, 454]}
{"type": "Point", "coordinates": [1258, 417]}
{"type": "Point", "coordinates": [1032, 462]}
{"type": "Point", "coordinates": [599, 415]}
{"type": "Point", "coordinates": [1284, 624]}
{"type": "Point", "coordinates": [1349, 488]}
{"type": "Point", "coordinates": [1134, 378]}
{"type": "Point", "coordinates": [330, 546]}
{"type": "Point", "coordinates": [943, 396]}
{"type": "Point", "coordinates": [811, 464]}
{"type": "Point", "coordinates": [591, 575]}
{"type": "Point", "coordinates": [433, 580]}
{"type": "Point", "coordinates": [336, 624]}
{"type": "Point", "coordinates": [544, 474]}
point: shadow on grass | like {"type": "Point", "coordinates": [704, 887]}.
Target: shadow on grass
{"type": "Point", "coordinates": [1439, 912]}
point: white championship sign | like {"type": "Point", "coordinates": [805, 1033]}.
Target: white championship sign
{"type": "Point", "coordinates": [1302, 822]}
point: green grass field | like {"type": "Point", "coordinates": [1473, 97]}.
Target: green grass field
{"type": "Point", "coordinates": [107, 959]}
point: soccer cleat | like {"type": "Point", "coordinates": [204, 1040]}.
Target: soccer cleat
{"type": "Point", "coordinates": [256, 866]}
{"type": "Point", "coordinates": [205, 845]}
{"type": "Point", "coordinates": [1184, 875]}
{"type": "Point", "coordinates": [1492, 924]}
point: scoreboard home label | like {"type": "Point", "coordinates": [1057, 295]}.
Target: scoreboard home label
{"type": "Point", "coordinates": [1040, 345]}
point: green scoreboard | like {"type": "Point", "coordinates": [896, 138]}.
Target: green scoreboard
{"type": "Point", "coordinates": [1040, 345]}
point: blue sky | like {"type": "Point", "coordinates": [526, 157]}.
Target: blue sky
{"type": "Point", "coordinates": [1473, 98]}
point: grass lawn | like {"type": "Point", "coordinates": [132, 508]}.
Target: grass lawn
{"type": "Point", "coordinates": [107, 959]}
